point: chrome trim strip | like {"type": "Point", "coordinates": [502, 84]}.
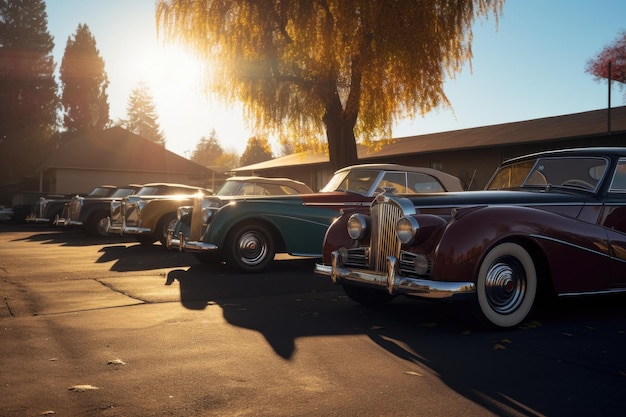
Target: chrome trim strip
{"type": "Point", "coordinates": [562, 242]}
{"type": "Point", "coordinates": [395, 283]}
{"type": "Point", "coordinates": [345, 204]}
{"type": "Point", "coordinates": [132, 230]}
{"type": "Point", "coordinates": [600, 292]}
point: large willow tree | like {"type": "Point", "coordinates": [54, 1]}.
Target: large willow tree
{"type": "Point", "coordinates": [344, 66]}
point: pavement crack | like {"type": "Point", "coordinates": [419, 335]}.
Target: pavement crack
{"type": "Point", "coordinates": [6, 303]}
{"type": "Point", "coordinates": [126, 294]}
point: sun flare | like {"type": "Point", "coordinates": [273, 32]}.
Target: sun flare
{"type": "Point", "coordinates": [173, 75]}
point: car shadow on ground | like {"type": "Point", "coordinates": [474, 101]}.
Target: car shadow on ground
{"type": "Point", "coordinates": [534, 369]}
{"type": "Point", "coordinates": [46, 234]}
{"type": "Point", "coordinates": [140, 257]}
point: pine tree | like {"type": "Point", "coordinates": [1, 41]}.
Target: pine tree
{"type": "Point", "coordinates": [207, 151]}
{"type": "Point", "coordinates": [257, 150]}
{"type": "Point", "coordinates": [84, 82]}
{"type": "Point", "coordinates": [142, 115]}
{"type": "Point", "coordinates": [28, 89]}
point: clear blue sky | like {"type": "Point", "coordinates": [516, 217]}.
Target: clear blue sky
{"type": "Point", "coordinates": [531, 65]}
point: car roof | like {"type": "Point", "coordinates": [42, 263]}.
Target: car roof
{"type": "Point", "coordinates": [450, 182]}
{"type": "Point", "coordinates": [297, 185]}
{"type": "Point", "coordinates": [591, 151]}
{"type": "Point", "coordinates": [168, 184]}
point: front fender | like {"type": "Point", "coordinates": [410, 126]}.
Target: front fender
{"type": "Point", "coordinates": [573, 248]}
{"type": "Point", "coordinates": [301, 227]}
{"type": "Point", "coordinates": [154, 210]}
{"type": "Point", "coordinates": [336, 236]}
{"type": "Point", "coordinates": [88, 210]}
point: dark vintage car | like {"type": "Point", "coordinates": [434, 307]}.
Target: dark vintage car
{"type": "Point", "coordinates": [50, 207]}
{"type": "Point", "coordinates": [91, 212]}
{"type": "Point", "coordinates": [127, 216]}
{"type": "Point", "coordinates": [158, 215]}
{"type": "Point", "coordinates": [547, 223]}
{"type": "Point", "coordinates": [248, 232]}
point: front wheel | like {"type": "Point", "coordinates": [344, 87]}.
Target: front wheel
{"type": "Point", "coordinates": [97, 225]}
{"type": "Point", "coordinates": [506, 285]}
{"type": "Point", "coordinates": [167, 222]}
{"type": "Point", "coordinates": [250, 248]}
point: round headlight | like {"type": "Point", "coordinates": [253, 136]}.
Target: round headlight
{"type": "Point", "coordinates": [183, 212]}
{"type": "Point", "coordinates": [357, 226]}
{"type": "Point", "coordinates": [207, 213]}
{"type": "Point", "coordinates": [406, 229]}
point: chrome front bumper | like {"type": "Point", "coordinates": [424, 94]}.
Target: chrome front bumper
{"type": "Point", "coordinates": [122, 228]}
{"type": "Point", "coordinates": [178, 241]}
{"type": "Point", "coordinates": [62, 221]}
{"type": "Point", "coordinates": [34, 219]}
{"type": "Point", "coordinates": [395, 283]}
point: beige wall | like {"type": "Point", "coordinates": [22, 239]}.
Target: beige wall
{"type": "Point", "coordinates": [69, 181]}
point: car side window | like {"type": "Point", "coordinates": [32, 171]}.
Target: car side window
{"type": "Point", "coordinates": [618, 184]}
{"type": "Point", "coordinates": [395, 181]}
{"type": "Point", "coordinates": [251, 188]}
{"type": "Point", "coordinates": [422, 183]}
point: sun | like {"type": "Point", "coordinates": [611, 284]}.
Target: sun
{"type": "Point", "coordinates": [186, 111]}
{"type": "Point", "coordinates": [173, 75]}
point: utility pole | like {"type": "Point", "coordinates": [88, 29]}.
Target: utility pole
{"type": "Point", "coordinates": [609, 95]}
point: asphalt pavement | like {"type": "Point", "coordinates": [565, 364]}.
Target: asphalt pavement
{"type": "Point", "coordinates": [108, 327]}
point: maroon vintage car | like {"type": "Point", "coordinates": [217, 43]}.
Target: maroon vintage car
{"type": "Point", "coordinates": [552, 222]}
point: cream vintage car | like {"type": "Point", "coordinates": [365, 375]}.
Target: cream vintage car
{"type": "Point", "coordinates": [149, 216]}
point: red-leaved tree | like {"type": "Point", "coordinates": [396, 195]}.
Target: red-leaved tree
{"type": "Point", "coordinates": [615, 53]}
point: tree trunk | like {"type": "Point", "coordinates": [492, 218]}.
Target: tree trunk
{"type": "Point", "coordinates": [340, 135]}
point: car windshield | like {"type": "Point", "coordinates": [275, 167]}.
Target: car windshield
{"type": "Point", "coordinates": [148, 191]}
{"type": "Point", "coordinates": [99, 192]}
{"type": "Point", "coordinates": [122, 192]}
{"type": "Point", "coordinates": [582, 173]}
{"type": "Point", "coordinates": [229, 188]}
{"type": "Point", "coordinates": [357, 181]}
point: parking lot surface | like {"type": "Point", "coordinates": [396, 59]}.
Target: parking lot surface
{"type": "Point", "coordinates": [108, 327]}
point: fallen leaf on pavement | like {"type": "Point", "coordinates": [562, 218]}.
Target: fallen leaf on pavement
{"type": "Point", "coordinates": [82, 388]}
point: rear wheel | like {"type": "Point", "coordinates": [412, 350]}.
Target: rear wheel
{"type": "Point", "coordinates": [250, 248]}
{"type": "Point", "coordinates": [506, 286]}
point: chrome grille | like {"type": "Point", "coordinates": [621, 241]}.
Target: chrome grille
{"type": "Point", "coordinates": [116, 211]}
{"type": "Point", "coordinates": [384, 241]}
{"type": "Point", "coordinates": [73, 209]}
{"type": "Point", "coordinates": [41, 207]}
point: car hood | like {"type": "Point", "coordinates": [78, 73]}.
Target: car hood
{"type": "Point", "coordinates": [508, 197]}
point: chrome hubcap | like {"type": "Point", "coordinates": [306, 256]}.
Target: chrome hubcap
{"type": "Point", "coordinates": [505, 285]}
{"type": "Point", "coordinates": [252, 248]}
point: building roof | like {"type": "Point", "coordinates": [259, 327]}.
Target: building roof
{"type": "Point", "coordinates": [571, 126]}
{"type": "Point", "coordinates": [117, 149]}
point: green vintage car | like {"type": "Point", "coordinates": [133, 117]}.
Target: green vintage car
{"type": "Point", "coordinates": [247, 232]}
